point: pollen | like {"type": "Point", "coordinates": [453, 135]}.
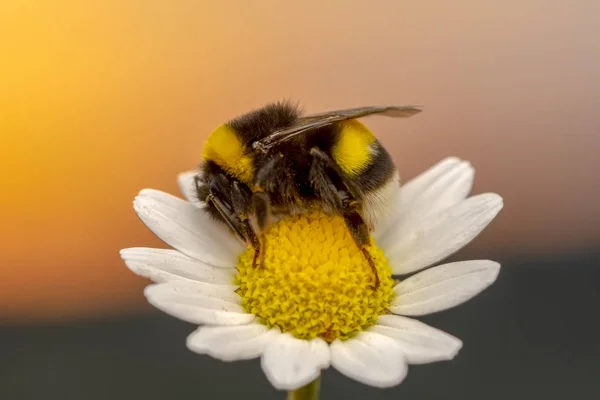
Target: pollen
{"type": "Point", "coordinates": [315, 281]}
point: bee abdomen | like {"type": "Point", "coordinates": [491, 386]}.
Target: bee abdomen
{"type": "Point", "coordinates": [368, 164]}
{"type": "Point", "coordinates": [354, 148]}
{"type": "Point", "coordinates": [361, 157]}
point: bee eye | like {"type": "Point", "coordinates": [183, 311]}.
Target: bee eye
{"type": "Point", "coordinates": [225, 148]}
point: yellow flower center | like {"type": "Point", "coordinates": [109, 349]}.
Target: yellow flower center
{"type": "Point", "coordinates": [315, 281]}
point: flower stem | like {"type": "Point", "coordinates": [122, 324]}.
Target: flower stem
{"type": "Point", "coordinates": [306, 392]}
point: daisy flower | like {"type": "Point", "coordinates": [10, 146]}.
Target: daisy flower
{"type": "Point", "coordinates": [313, 304]}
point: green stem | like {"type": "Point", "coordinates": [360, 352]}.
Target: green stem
{"type": "Point", "coordinates": [307, 392]}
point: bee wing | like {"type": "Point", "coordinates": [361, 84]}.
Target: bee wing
{"type": "Point", "coordinates": [320, 120]}
{"type": "Point", "coordinates": [352, 113]}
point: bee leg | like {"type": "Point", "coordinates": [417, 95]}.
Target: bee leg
{"type": "Point", "coordinates": [269, 179]}
{"type": "Point", "coordinates": [224, 210]}
{"type": "Point", "coordinates": [350, 191]}
{"type": "Point", "coordinates": [344, 197]}
{"type": "Point", "coordinates": [262, 209]}
{"type": "Point", "coordinates": [227, 198]}
{"type": "Point", "coordinates": [360, 233]}
{"type": "Point", "coordinates": [240, 198]}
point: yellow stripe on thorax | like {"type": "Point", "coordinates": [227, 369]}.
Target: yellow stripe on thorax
{"type": "Point", "coordinates": [352, 152]}
{"type": "Point", "coordinates": [226, 150]}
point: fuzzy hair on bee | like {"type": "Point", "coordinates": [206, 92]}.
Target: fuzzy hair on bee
{"type": "Point", "coordinates": [274, 161]}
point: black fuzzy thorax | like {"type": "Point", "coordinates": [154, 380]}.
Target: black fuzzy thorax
{"type": "Point", "coordinates": [260, 123]}
{"type": "Point", "coordinates": [284, 171]}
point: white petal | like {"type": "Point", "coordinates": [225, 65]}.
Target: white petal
{"type": "Point", "coordinates": [188, 187]}
{"type": "Point", "coordinates": [442, 186]}
{"type": "Point", "coordinates": [370, 358]}
{"type": "Point", "coordinates": [290, 363]}
{"type": "Point", "coordinates": [416, 186]}
{"type": "Point", "coordinates": [163, 265]}
{"type": "Point", "coordinates": [192, 288]}
{"type": "Point", "coordinates": [447, 190]}
{"type": "Point", "coordinates": [443, 287]}
{"type": "Point", "coordinates": [211, 309]}
{"type": "Point", "coordinates": [231, 343]}
{"type": "Point", "coordinates": [320, 350]}
{"type": "Point", "coordinates": [420, 342]}
{"type": "Point", "coordinates": [442, 234]}
{"type": "Point", "coordinates": [178, 293]}
{"type": "Point", "coordinates": [187, 228]}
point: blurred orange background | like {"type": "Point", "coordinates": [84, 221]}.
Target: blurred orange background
{"type": "Point", "coordinates": [101, 99]}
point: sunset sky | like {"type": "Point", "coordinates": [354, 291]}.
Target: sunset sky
{"type": "Point", "coordinates": [101, 99]}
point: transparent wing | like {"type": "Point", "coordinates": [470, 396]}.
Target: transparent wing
{"type": "Point", "coordinates": [316, 121]}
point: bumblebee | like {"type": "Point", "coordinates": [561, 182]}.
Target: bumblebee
{"type": "Point", "coordinates": [273, 162]}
